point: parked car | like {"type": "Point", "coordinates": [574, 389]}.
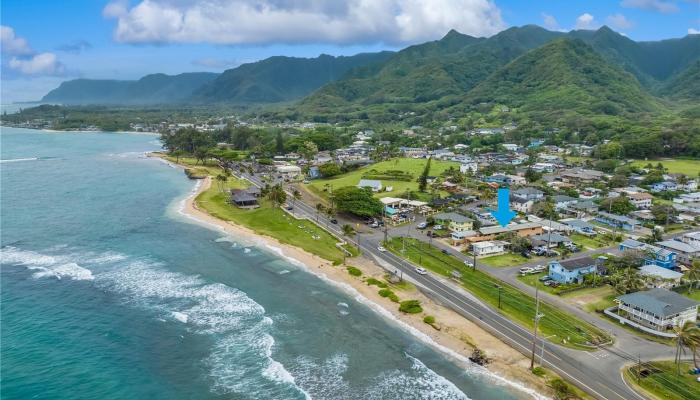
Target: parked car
{"type": "Point", "coordinates": [421, 271]}
{"type": "Point", "coordinates": [540, 268]}
{"type": "Point", "coordinates": [525, 254]}
{"type": "Point", "coordinates": [334, 221]}
{"type": "Point", "coordinates": [545, 278]}
{"type": "Point", "coordinates": [374, 225]}
{"type": "Point", "coordinates": [526, 270]}
{"type": "Point", "coordinates": [381, 248]}
{"type": "Point", "coordinates": [422, 225]}
{"type": "Point", "coordinates": [468, 263]}
{"type": "Point", "coordinates": [437, 227]}
{"type": "Point", "coordinates": [551, 283]}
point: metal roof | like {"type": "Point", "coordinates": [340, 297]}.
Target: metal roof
{"type": "Point", "coordinates": [660, 302]}
{"type": "Point", "coordinates": [494, 230]}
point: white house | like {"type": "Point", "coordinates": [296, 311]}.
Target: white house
{"type": "Point", "coordinates": [656, 311]}
{"type": "Point", "coordinates": [489, 247]}
{"type": "Point", "coordinates": [373, 184]}
{"type": "Point", "coordinates": [468, 166]}
{"type": "Point", "coordinates": [641, 200]}
{"type": "Point", "coordinates": [692, 238]}
{"type": "Point", "coordinates": [289, 171]}
{"type": "Point", "coordinates": [660, 277]}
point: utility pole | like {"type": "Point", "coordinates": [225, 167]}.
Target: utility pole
{"type": "Point", "coordinates": [473, 258]}
{"type": "Point", "coordinates": [499, 287]}
{"type": "Point", "coordinates": [537, 320]}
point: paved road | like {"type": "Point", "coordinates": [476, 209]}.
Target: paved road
{"type": "Point", "coordinates": [597, 373]}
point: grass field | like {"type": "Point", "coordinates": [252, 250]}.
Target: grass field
{"type": "Point", "coordinates": [414, 166]}
{"type": "Point", "coordinates": [664, 382]}
{"type": "Point", "coordinates": [594, 242]}
{"type": "Point", "coordinates": [694, 294]}
{"type": "Point", "coordinates": [518, 306]}
{"type": "Point", "coordinates": [274, 222]}
{"type": "Point", "coordinates": [504, 260]}
{"type": "Point", "coordinates": [675, 166]}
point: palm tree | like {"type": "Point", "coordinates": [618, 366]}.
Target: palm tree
{"type": "Point", "coordinates": [320, 208]}
{"type": "Point", "coordinates": [348, 230]}
{"type": "Point", "coordinates": [687, 335]}
{"type": "Point", "coordinates": [277, 195]}
{"type": "Point", "coordinates": [221, 181]}
{"type": "Point", "coordinates": [693, 275]}
{"type": "Point", "coordinates": [296, 195]}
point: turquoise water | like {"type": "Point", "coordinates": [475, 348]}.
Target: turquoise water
{"type": "Point", "coordinates": [109, 293]}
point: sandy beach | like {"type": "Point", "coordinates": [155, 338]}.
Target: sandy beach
{"type": "Point", "coordinates": [457, 336]}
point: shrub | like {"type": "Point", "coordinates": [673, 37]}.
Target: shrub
{"type": "Point", "coordinates": [372, 281]}
{"type": "Point", "coordinates": [562, 389]}
{"type": "Point", "coordinates": [410, 307]}
{"type": "Point", "coordinates": [354, 271]}
{"type": "Point", "coordinates": [539, 371]}
{"type": "Point", "coordinates": [389, 294]}
{"type": "Point", "coordinates": [429, 319]}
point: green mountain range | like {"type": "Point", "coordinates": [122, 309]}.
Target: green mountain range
{"type": "Point", "coordinates": [151, 89]}
{"type": "Point", "coordinates": [591, 72]}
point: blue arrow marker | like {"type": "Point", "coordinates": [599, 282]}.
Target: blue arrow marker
{"type": "Point", "coordinates": [504, 214]}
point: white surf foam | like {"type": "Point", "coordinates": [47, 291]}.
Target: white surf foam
{"type": "Point", "coordinates": [18, 160]}
{"type": "Point", "coordinates": [243, 351]}
{"type": "Point", "coordinates": [46, 265]}
{"type": "Point", "coordinates": [182, 317]}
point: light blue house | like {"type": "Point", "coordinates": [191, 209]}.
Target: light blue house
{"type": "Point", "coordinates": [571, 271]}
{"type": "Point", "coordinates": [655, 255]}
{"type": "Point", "coordinates": [663, 186]}
{"type": "Point", "coordinates": [618, 221]}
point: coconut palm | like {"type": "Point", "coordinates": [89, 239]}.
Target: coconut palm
{"type": "Point", "coordinates": [693, 275]}
{"type": "Point", "coordinates": [687, 335]}
{"type": "Point", "coordinates": [320, 208]}
{"type": "Point", "coordinates": [348, 230]}
{"type": "Point", "coordinates": [221, 181]}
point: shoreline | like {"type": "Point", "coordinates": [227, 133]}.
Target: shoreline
{"type": "Point", "coordinates": [80, 131]}
{"type": "Point", "coordinates": [456, 338]}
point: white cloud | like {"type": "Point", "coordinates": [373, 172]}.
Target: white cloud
{"type": "Point", "coordinates": [12, 44]}
{"type": "Point", "coordinates": [38, 64]}
{"type": "Point", "coordinates": [618, 21]}
{"type": "Point", "coordinates": [585, 21]}
{"type": "Point", "coordinates": [665, 7]}
{"type": "Point", "coordinates": [693, 31]}
{"type": "Point", "coordinates": [300, 21]}
{"type": "Point", "coordinates": [550, 22]}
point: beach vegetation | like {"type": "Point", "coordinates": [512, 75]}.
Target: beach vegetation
{"type": "Point", "coordinates": [376, 282]}
{"type": "Point", "coordinates": [429, 319]}
{"type": "Point", "coordinates": [410, 307]}
{"type": "Point", "coordinates": [354, 271]}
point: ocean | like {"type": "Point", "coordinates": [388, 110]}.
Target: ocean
{"type": "Point", "coordinates": [109, 292]}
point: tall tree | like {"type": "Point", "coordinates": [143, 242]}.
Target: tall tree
{"type": "Point", "coordinates": [423, 178]}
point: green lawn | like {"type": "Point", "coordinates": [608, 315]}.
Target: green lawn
{"type": "Point", "coordinates": [271, 221]}
{"type": "Point", "coordinates": [594, 242]}
{"type": "Point", "coordinates": [694, 294]}
{"type": "Point", "coordinates": [518, 306]}
{"type": "Point", "coordinates": [533, 280]}
{"type": "Point", "coordinates": [681, 166]}
{"type": "Point", "coordinates": [414, 166]}
{"type": "Point", "coordinates": [504, 260]}
{"type": "Point", "coordinates": [664, 382]}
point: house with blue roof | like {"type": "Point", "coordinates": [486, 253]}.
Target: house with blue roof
{"type": "Point", "coordinates": [663, 186]}
{"type": "Point", "coordinates": [652, 254]}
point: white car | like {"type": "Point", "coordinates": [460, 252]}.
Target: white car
{"type": "Point", "coordinates": [540, 268]}
{"type": "Point", "coordinates": [526, 270]}
{"type": "Point", "coordinates": [422, 225]}
{"type": "Point", "coordinates": [437, 227]}
{"type": "Point", "coordinates": [421, 271]}
{"type": "Point", "coordinates": [468, 263]}
{"type": "Point", "coordinates": [381, 248]}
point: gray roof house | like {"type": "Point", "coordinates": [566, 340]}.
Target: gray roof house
{"type": "Point", "coordinates": [554, 239]}
{"type": "Point", "coordinates": [655, 311]}
{"type": "Point", "coordinates": [528, 193]}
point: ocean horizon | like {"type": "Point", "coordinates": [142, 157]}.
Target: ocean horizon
{"type": "Point", "coordinates": [110, 292]}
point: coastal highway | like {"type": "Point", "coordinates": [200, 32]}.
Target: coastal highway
{"type": "Point", "coordinates": [597, 373]}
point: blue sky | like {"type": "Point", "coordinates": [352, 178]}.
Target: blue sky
{"type": "Point", "coordinates": [46, 42]}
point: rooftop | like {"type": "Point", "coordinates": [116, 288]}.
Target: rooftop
{"type": "Point", "coordinates": [679, 246]}
{"type": "Point", "coordinates": [663, 273]}
{"type": "Point", "coordinates": [494, 230]}
{"type": "Point", "coordinates": [660, 302]}
{"type": "Point", "coordinates": [452, 216]}
{"type": "Point", "coordinates": [576, 263]}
